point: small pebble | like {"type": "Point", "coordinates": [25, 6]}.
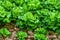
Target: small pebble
{"type": "Point", "coordinates": [30, 33]}
{"type": "Point", "coordinates": [28, 39]}
{"type": "Point", "coordinates": [59, 37]}
{"type": "Point", "coordinates": [16, 29]}
{"type": "Point", "coordinates": [8, 39]}
{"type": "Point", "coordinates": [52, 36]}
{"type": "Point", "coordinates": [11, 30]}
{"type": "Point", "coordinates": [55, 39]}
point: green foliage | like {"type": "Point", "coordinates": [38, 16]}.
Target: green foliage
{"type": "Point", "coordinates": [28, 16]}
{"type": "Point", "coordinates": [4, 15]}
{"type": "Point", "coordinates": [40, 31]}
{"type": "Point", "coordinates": [58, 31]}
{"type": "Point", "coordinates": [21, 35]}
{"type": "Point", "coordinates": [29, 20]}
{"type": "Point", "coordinates": [31, 14]}
{"type": "Point", "coordinates": [39, 37]}
{"type": "Point", "coordinates": [19, 2]}
{"type": "Point", "coordinates": [33, 4]}
{"type": "Point", "coordinates": [39, 34]}
{"type": "Point", "coordinates": [4, 32]}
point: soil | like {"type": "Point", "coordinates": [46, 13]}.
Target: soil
{"type": "Point", "coordinates": [13, 29]}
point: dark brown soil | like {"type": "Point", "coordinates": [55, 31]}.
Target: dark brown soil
{"type": "Point", "coordinates": [13, 29]}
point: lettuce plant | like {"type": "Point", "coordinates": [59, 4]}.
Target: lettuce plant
{"type": "Point", "coordinates": [39, 37]}
{"type": "Point", "coordinates": [21, 35]}
{"type": "Point", "coordinates": [4, 32]}
{"type": "Point", "coordinates": [40, 31]}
